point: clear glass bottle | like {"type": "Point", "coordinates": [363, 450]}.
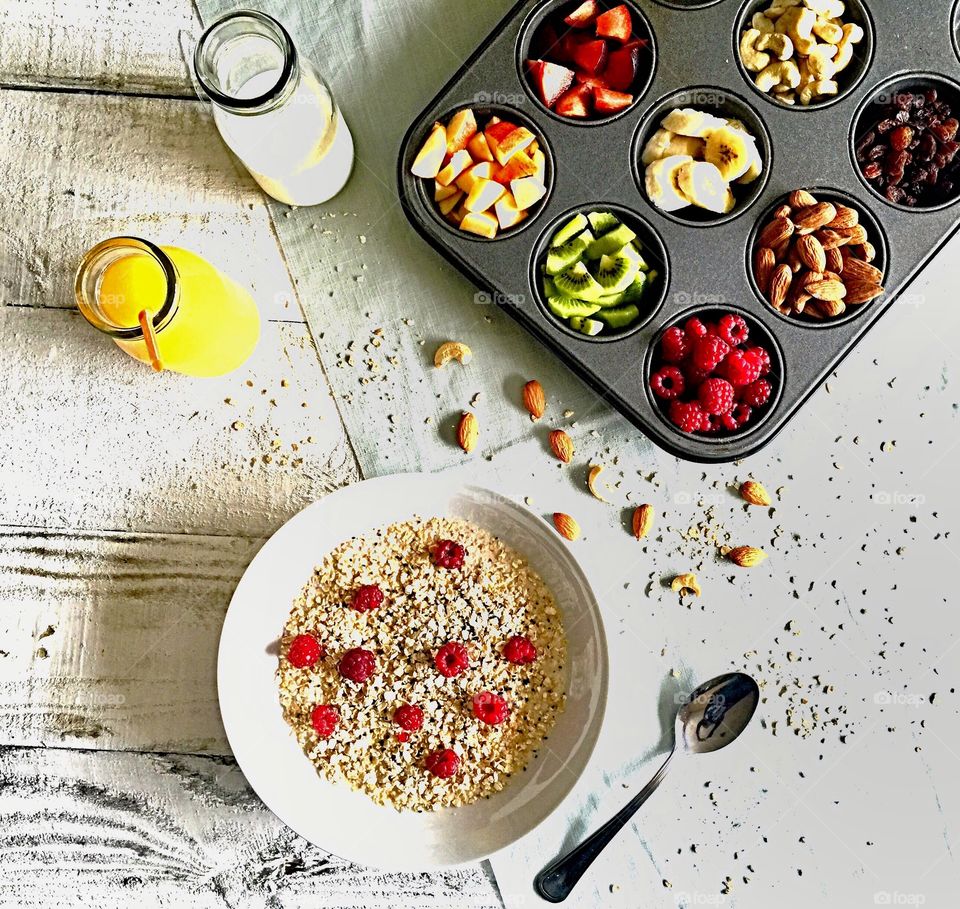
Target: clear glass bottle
{"type": "Point", "coordinates": [273, 109]}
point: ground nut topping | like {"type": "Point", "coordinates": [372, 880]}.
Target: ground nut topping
{"type": "Point", "coordinates": [495, 596]}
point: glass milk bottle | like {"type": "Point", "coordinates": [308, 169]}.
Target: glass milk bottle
{"type": "Point", "coordinates": [273, 109]}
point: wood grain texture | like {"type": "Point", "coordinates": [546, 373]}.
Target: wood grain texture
{"type": "Point", "coordinates": [92, 439]}
{"type": "Point", "coordinates": [94, 829]}
{"type": "Point", "coordinates": [98, 166]}
{"type": "Point", "coordinates": [100, 44]}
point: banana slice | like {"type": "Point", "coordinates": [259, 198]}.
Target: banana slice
{"type": "Point", "coordinates": [689, 122]}
{"type": "Point", "coordinates": [703, 184]}
{"type": "Point", "coordinates": [656, 147]}
{"type": "Point", "coordinates": [663, 189]}
{"type": "Point", "coordinates": [729, 150]}
{"type": "Point", "coordinates": [686, 145]}
{"type": "Point", "coordinates": [755, 168]}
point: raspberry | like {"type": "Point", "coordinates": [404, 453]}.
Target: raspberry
{"type": "Point", "coordinates": [695, 329]}
{"type": "Point", "coordinates": [520, 650]}
{"type": "Point", "coordinates": [675, 345]}
{"type": "Point", "coordinates": [756, 394]}
{"type": "Point", "coordinates": [712, 423]}
{"type": "Point", "coordinates": [737, 418]}
{"type": "Point", "coordinates": [442, 763]}
{"type": "Point", "coordinates": [490, 708]}
{"type": "Point", "coordinates": [733, 329]}
{"type": "Point", "coordinates": [451, 659]}
{"type": "Point", "coordinates": [408, 717]}
{"type": "Point", "coordinates": [716, 396]}
{"type": "Point", "coordinates": [668, 383]}
{"type": "Point", "coordinates": [693, 375]}
{"type": "Point", "coordinates": [763, 356]}
{"type": "Point", "coordinates": [708, 352]}
{"type": "Point", "coordinates": [367, 598]}
{"type": "Point", "coordinates": [357, 665]}
{"type": "Point", "coordinates": [741, 368]}
{"type": "Point", "coordinates": [688, 415]}
{"type": "Point", "coordinates": [324, 720]}
{"type": "Point", "coordinates": [448, 554]}
{"type": "Point", "coordinates": [304, 651]}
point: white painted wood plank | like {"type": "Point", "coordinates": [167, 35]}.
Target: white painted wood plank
{"type": "Point", "coordinates": [102, 44]}
{"type": "Point", "coordinates": [93, 829]}
{"type": "Point", "coordinates": [109, 641]}
{"type": "Point", "coordinates": [97, 166]}
{"type": "Point", "coordinates": [91, 439]}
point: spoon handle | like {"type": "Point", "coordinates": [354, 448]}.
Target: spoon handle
{"type": "Point", "coordinates": [555, 882]}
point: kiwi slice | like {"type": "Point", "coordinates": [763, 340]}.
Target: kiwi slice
{"type": "Point", "coordinates": [633, 251]}
{"type": "Point", "coordinates": [575, 322]}
{"type": "Point", "coordinates": [619, 316]}
{"type": "Point", "coordinates": [560, 258]}
{"type": "Point", "coordinates": [611, 242]}
{"type": "Point", "coordinates": [613, 299]}
{"type": "Point", "coordinates": [591, 327]}
{"type": "Point", "coordinates": [616, 273]}
{"type": "Point", "coordinates": [635, 291]}
{"type": "Point", "coordinates": [566, 233]}
{"type": "Point", "coordinates": [564, 307]}
{"type": "Point", "coordinates": [603, 222]}
{"type": "Point", "coordinates": [577, 282]}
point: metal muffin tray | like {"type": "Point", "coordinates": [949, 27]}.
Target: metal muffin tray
{"type": "Point", "coordinates": [703, 265]}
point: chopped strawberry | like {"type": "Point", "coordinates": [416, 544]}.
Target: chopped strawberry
{"type": "Point", "coordinates": [568, 45]}
{"type": "Point", "coordinates": [518, 167]}
{"type": "Point", "coordinates": [616, 23]}
{"type": "Point", "coordinates": [606, 101]}
{"type": "Point", "coordinates": [591, 57]}
{"type": "Point", "coordinates": [583, 16]}
{"type": "Point", "coordinates": [623, 66]}
{"type": "Point", "coordinates": [592, 81]}
{"type": "Point", "coordinates": [575, 103]}
{"type": "Point", "coordinates": [550, 79]}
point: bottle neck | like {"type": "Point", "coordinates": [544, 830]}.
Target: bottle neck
{"type": "Point", "coordinates": [246, 63]}
{"type": "Point", "coordinates": [114, 307]}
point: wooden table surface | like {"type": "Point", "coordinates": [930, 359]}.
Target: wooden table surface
{"type": "Point", "coordinates": [130, 505]}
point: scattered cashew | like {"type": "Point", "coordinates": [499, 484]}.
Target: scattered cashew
{"type": "Point", "coordinates": [820, 62]}
{"type": "Point", "coordinates": [452, 350]}
{"type": "Point", "coordinates": [782, 73]}
{"type": "Point", "coordinates": [797, 22]}
{"type": "Point", "coordinates": [814, 90]}
{"type": "Point", "coordinates": [753, 58]}
{"type": "Point", "coordinates": [852, 34]}
{"type": "Point", "coordinates": [777, 44]}
{"type": "Point", "coordinates": [828, 31]}
{"type": "Point", "coordinates": [762, 24]}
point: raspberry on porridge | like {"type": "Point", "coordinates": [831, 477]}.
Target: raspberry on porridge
{"type": "Point", "coordinates": [403, 732]}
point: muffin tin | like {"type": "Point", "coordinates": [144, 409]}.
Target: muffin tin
{"type": "Point", "coordinates": [704, 264]}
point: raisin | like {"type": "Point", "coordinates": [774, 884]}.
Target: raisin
{"type": "Point", "coordinates": [901, 137]}
{"type": "Point", "coordinates": [872, 170]}
{"type": "Point", "coordinates": [927, 147]}
{"type": "Point", "coordinates": [894, 193]}
{"type": "Point", "coordinates": [884, 126]}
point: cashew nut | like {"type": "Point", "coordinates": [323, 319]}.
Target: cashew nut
{"type": "Point", "coordinates": [787, 98]}
{"type": "Point", "coordinates": [820, 61]}
{"type": "Point", "coordinates": [762, 24]}
{"type": "Point", "coordinates": [779, 7]}
{"type": "Point", "coordinates": [798, 22]}
{"type": "Point", "coordinates": [452, 350]}
{"type": "Point", "coordinates": [782, 73]}
{"type": "Point", "coordinates": [826, 8]}
{"type": "Point", "coordinates": [777, 44]}
{"type": "Point", "coordinates": [852, 34]}
{"type": "Point", "coordinates": [753, 58]}
{"type": "Point", "coordinates": [828, 31]}
{"type": "Point", "coordinates": [814, 90]}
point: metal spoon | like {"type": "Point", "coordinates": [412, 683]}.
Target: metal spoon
{"type": "Point", "coordinates": [715, 714]}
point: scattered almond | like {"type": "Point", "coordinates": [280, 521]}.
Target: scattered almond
{"type": "Point", "coordinates": [562, 445]}
{"type": "Point", "coordinates": [686, 585]}
{"type": "Point", "coordinates": [566, 526]}
{"type": "Point", "coordinates": [754, 493]}
{"type": "Point", "coordinates": [452, 350]}
{"type": "Point", "coordinates": [746, 556]}
{"type": "Point", "coordinates": [534, 399]}
{"type": "Point", "coordinates": [643, 521]}
{"type": "Point", "coordinates": [593, 483]}
{"type": "Point", "coordinates": [468, 432]}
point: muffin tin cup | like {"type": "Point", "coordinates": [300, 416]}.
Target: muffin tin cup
{"type": "Point", "coordinates": [875, 234]}
{"type": "Point", "coordinates": [847, 80]}
{"type": "Point", "coordinates": [708, 263]}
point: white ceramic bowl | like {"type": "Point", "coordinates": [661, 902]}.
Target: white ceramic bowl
{"type": "Point", "coordinates": [348, 823]}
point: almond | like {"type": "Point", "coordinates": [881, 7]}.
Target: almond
{"type": "Point", "coordinates": [811, 253]}
{"type": "Point", "coordinates": [858, 270]}
{"type": "Point", "coordinates": [867, 252]}
{"type": "Point", "coordinates": [846, 217]}
{"type": "Point", "coordinates": [452, 350]}
{"type": "Point", "coordinates": [643, 521]}
{"type": "Point", "coordinates": [793, 258]}
{"type": "Point", "coordinates": [754, 493]}
{"type": "Point", "coordinates": [855, 235]}
{"type": "Point", "coordinates": [562, 445]}
{"type": "Point", "coordinates": [764, 262]}
{"type": "Point", "coordinates": [778, 230]}
{"type": "Point", "coordinates": [832, 308]}
{"type": "Point", "coordinates": [566, 526]}
{"type": "Point", "coordinates": [830, 239]}
{"type": "Point", "coordinates": [468, 431]}
{"type": "Point", "coordinates": [813, 217]}
{"type": "Point", "coordinates": [826, 289]}
{"type": "Point", "coordinates": [686, 585]}
{"type": "Point", "coordinates": [593, 484]}
{"type": "Point", "coordinates": [534, 399]}
{"type": "Point", "coordinates": [834, 259]}
{"type": "Point", "coordinates": [746, 556]}
{"type": "Point", "coordinates": [780, 285]}
{"type": "Point", "coordinates": [861, 292]}
{"type": "Point", "coordinates": [800, 198]}
{"type": "Point", "coordinates": [783, 211]}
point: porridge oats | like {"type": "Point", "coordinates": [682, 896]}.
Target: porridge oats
{"type": "Point", "coordinates": [423, 664]}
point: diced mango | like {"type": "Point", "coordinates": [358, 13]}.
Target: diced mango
{"type": "Point", "coordinates": [460, 130]}
{"type": "Point", "coordinates": [484, 195]}
{"type": "Point", "coordinates": [449, 204]}
{"type": "Point", "coordinates": [516, 141]}
{"type": "Point", "coordinates": [540, 165]}
{"type": "Point", "coordinates": [527, 192]}
{"type": "Point", "coordinates": [479, 148]}
{"type": "Point", "coordinates": [482, 224]}
{"type": "Point", "coordinates": [457, 165]}
{"type": "Point", "coordinates": [481, 171]}
{"type": "Point", "coordinates": [443, 192]}
{"type": "Point", "coordinates": [507, 212]}
{"type": "Point", "coordinates": [429, 159]}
